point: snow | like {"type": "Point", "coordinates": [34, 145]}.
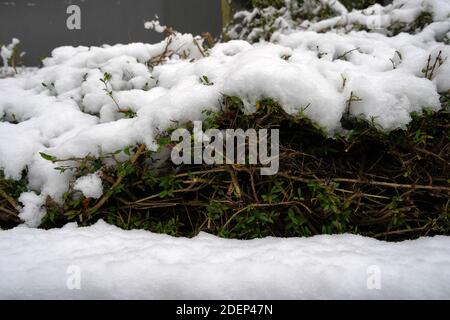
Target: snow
{"type": "Point", "coordinates": [31, 210]}
{"type": "Point", "coordinates": [155, 25]}
{"type": "Point", "coordinates": [62, 109]}
{"type": "Point", "coordinates": [114, 264]}
{"type": "Point", "coordinates": [312, 68]}
{"type": "Point", "coordinates": [7, 51]}
{"type": "Point", "coordinates": [90, 185]}
{"type": "Point", "coordinates": [381, 19]}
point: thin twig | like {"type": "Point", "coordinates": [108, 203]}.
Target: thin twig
{"type": "Point", "coordinates": [119, 180]}
{"type": "Point", "coordinates": [370, 182]}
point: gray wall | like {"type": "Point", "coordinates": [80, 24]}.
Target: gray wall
{"type": "Point", "coordinates": [41, 24]}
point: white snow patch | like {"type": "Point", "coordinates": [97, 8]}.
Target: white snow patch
{"type": "Point", "coordinates": [117, 264]}
{"type": "Point", "coordinates": [6, 52]}
{"type": "Point", "coordinates": [90, 185]}
{"type": "Point", "coordinates": [155, 25]}
{"type": "Point", "coordinates": [32, 211]}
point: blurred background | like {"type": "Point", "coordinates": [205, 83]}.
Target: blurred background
{"type": "Point", "coordinates": [41, 24]}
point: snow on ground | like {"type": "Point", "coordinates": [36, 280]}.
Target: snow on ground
{"type": "Point", "coordinates": [109, 263]}
{"type": "Point", "coordinates": [63, 110]}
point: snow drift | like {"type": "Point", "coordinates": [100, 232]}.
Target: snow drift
{"type": "Point", "coordinates": [72, 107]}
{"type": "Point", "coordinates": [116, 264]}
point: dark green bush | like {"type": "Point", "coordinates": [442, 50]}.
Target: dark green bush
{"type": "Point", "coordinates": [349, 4]}
{"type": "Point", "coordinates": [386, 185]}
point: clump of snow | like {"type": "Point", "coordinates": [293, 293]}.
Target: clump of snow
{"type": "Point", "coordinates": [104, 262]}
{"type": "Point", "coordinates": [91, 186]}
{"type": "Point", "coordinates": [155, 25]}
{"type": "Point", "coordinates": [63, 110]}
{"type": "Point", "coordinates": [32, 211]}
{"type": "Point", "coordinates": [6, 52]}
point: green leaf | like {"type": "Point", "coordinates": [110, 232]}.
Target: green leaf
{"type": "Point", "coordinates": [127, 151]}
{"type": "Point", "coordinates": [48, 157]}
{"type": "Point", "coordinates": [164, 141]}
{"type": "Point", "coordinates": [107, 76]}
{"type": "Point", "coordinates": [205, 81]}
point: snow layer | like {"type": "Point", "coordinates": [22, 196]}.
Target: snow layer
{"type": "Point", "coordinates": [399, 16]}
{"type": "Point", "coordinates": [63, 110]}
{"type": "Point", "coordinates": [378, 17]}
{"type": "Point", "coordinates": [109, 263]}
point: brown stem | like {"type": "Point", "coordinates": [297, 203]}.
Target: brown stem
{"type": "Point", "coordinates": [119, 180]}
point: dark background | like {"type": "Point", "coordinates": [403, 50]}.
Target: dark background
{"type": "Point", "coordinates": [41, 24]}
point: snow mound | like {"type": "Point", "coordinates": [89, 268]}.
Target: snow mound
{"type": "Point", "coordinates": [90, 186]}
{"type": "Point", "coordinates": [72, 106]}
{"type": "Point", "coordinates": [330, 15]}
{"type": "Point", "coordinates": [105, 262]}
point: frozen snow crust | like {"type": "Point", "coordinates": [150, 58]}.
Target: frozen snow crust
{"type": "Point", "coordinates": [116, 264]}
{"type": "Point", "coordinates": [63, 110]}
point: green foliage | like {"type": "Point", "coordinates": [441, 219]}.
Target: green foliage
{"type": "Point", "coordinates": [254, 223]}
{"type": "Point", "coordinates": [108, 88]}
{"type": "Point", "coordinates": [13, 187]}
{"type": "Point", "coordinates": [168, 185]}
{"type": "Point", "coordinates": [267, 3]}
{"type": "Point", "coordinates": [364, 181]}
{"type": "Point", "coordinates": [205, 81]}
{"type": "Point", "coordinates": [10, 191]}
{"type": "Point", "coordinates": [261, 22]}
{"type": "Point", "coordinates": [357, 4]}
{"type": "Point", "coordinates": [425, 18]}
{"type": "Point", "coordinates": [349, 4]}
{"type": "Point", "coordinates": [47, 157]}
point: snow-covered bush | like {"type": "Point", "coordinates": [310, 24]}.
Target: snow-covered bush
{"type": "Point", "coordinates": [349, 4]}
{"type": "Point", "coordinates": [94, 113]}
{"type": "Point", "coordinates": [11, 57]}
{"type": "Point", "coordinates": [410, 16]}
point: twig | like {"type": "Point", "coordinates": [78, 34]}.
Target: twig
{"type": "Point", "coordinates": [105, 197]}
{"type": "Point", "coordinates": [379, 235]}
{"type": "Point", "coordinates": [199, 48]}
{"type": "Point", "coordinates": [370, 182]}
{"type": "Point", "coordinates": [345, 53]}
{"type": "Point", "coordinates": [8, 198]}
{"type": "Point", "coordinates": [10, 213]}
{"type": "Point", "coordinates": [433, 155]}
{"type": "Point", "coordinates": [262, 205]}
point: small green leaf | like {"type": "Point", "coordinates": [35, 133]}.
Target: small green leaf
{"type": "Point", "coordinates": [164, 141]}
{"type": "Point", "coordinates": [205, 81]}
{"type": "Point", "coordinates": [48, 157]}
{"type": "Point", "coordinates": [127, 151]}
